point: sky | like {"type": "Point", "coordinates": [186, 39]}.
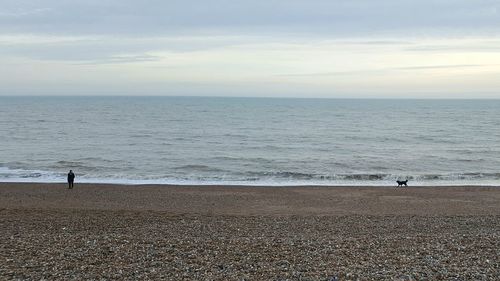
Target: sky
{"type": "Point", "coordinates": [263, 48]}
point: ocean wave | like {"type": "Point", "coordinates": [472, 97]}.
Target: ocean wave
{"type": "Point", "coordinates": [278, 178]}
{"type": "Point", "coordinates": [87, 167]}
{"type": "Point", "coordinates": [69, 163]}
{"type": "Point", "coordinates": [371, 177]}
{"type": "Point", "coordinates": [284, 174]}
{"type": "Point", "coordinates": [21, 175]}
{"type": "Point", "coordinates": [197, 168]}
{"type": "Point", "coordinates": [140, 136]}
{"type": "Point", "coordinates": [96, 159]}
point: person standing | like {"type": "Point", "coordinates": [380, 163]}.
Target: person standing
{"type": "Point", "coordinates": [71, 179]}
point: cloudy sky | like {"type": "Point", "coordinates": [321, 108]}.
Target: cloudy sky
{"type": "Point", "coordinates": [296, 48]}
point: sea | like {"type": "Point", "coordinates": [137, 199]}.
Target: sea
{"type": "Point", "coordinates": [250, 141]}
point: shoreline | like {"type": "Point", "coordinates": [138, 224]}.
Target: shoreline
{"type": "Point", "coordinates": [263, 185]}
{"type": "Point", "coordinates": [60, 183]}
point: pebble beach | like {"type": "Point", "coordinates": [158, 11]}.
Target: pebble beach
{"type": "Point", "coordinates": [119, 232]}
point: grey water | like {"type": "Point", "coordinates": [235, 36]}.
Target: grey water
{"type": "Point", "coordinates": [250, 141]}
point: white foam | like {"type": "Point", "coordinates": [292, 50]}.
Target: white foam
{"type": "Point", "coordinates": [40, 176]}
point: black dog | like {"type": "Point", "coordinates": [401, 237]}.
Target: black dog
{"type": "Point", "coordinates": [401, 183]}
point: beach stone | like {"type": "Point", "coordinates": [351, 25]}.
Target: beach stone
{"type": "Point", "coordinates": [161, 245]}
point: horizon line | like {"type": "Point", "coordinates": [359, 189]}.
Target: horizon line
{"type": "Point", "coordinates": [248, 97]}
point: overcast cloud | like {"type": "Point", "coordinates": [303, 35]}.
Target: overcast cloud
{"type": "Point", "coordinates": [316, 48]}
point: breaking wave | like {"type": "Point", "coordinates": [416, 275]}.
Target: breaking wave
{"type": "Point", "coordinates": [280, 178]}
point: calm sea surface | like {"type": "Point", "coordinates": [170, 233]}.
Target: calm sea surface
{"type": "Point", "coordinates": [249, 140]}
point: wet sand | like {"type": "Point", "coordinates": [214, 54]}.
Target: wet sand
{"type": "Point", "coordinates": [248, 233]}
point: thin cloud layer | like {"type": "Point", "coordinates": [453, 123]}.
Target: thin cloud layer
{"type": "Point", "coordinates": [318, 17]}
